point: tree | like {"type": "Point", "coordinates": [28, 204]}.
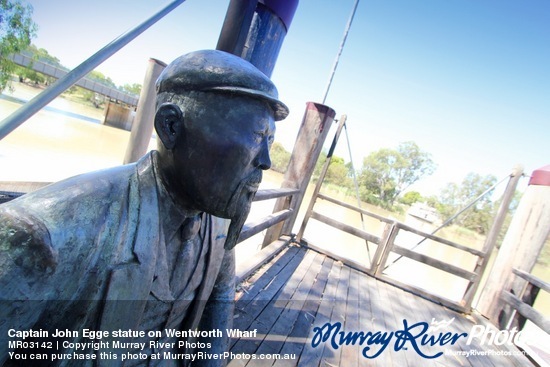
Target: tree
{"type": "Point", "coordinates": [16, 31]}
{"type": "Point", "coordinates": [101, 78]}
{"type": "Point", "coordinates": [134, 88]}
{"type": "Point", "coordinates": [410, 198]}
{"type": "Point", "coordinates": [455, 197]}
{"type": "Point", "coordinates": [41, 54]}
{"type": "Point", "coordinates": [338, 172]}
{"type": "Point", "coordinates": [279, 157]}
{"type": "Point", "coordinates": [37, 54]}
{"type": "Point", "coordinates": [28, 73]}
{"type": "Point", "coordinates": [386, 173]}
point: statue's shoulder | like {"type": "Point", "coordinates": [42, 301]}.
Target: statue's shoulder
{"type": "Point", "coordinates": [25, 241]}
{"type": "Point", "coordinates": [74, 194]}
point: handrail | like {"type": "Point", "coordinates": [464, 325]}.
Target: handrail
{"type": "Point", "coordinates": [252, 228]}
{"type": "Point", "coordinates": [267, 194]}
{"type": "Point", "coordinates": [539, 283]}
{"type": "Point", "coordinates": [355, 208]}
{"type": "Point", "coordinates": [386, 245]}
{"type": "Point", "coordinates": [38, 102]}
{"type": "Point", "coordinates": [523, 302]}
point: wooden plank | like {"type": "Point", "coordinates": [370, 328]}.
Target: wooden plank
{"type": "Point", "coordinates": [520, 249]}
{"type": "Point", "coordinates": [309, 143]}
{"type": "Point", "coordinates": [259, 259]}
{"type": "Point", "coordinates": [267, 194]}
{"type": "Point", "coordinates": [441, 240]}
{"type": "Point", "coordinates": [380, 249]}
{"type": "Point", "coordinates": [326, 291]}
{"type": "Point", "coordinates": [350, 353]}
{"type": "Point", "coordinates": [255, 227]}
{"type": "Point", "coordinates": [449, 268]}
{"type": "Point", "coordinates": [527, 311]}
{"type": "Point", "coordinates": [275, 338]}
{"type": "Point", "coordinates": [389, 239]}
{"type": "Point", "coordinates": [320, 180]}
{"type": "Point", "coordinates": [312, 356]}
{"type": "Point", "coordinates": [532, 279]}
{"type": "Point", "coordinates": [380, 322]}
{"type": "Point", "coordinates": [271, 310]}
{"type": "Point", "coordinates": [297, 338]}
{"type": "Point", "coordinates": [388, 302]}
{"type": "Point", "coordinates": [346, 228]}
{"type": "Point", "coordinates": [264, 276]}
{"type": "Point", "coordinates": [335, 256]}
{"type": "Point", "coordinates": [330, 355]}
{"type": "Point", "coordinates": [258, 299]}
{"type": "Point", "coordinates": [367, 296]}
{"type": "Point", "coordinates": [372, 319]}
{"type": "Point", "coordinates": [270, 284]}
{"type": "Point", "coordinates": [420, 310]}
{"type": "Point", "coordinates": [351, 207]}
{"type": "Point", "coordinates": [423, 293]}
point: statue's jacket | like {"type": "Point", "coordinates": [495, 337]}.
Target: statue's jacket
{"type": "Point", "coordinates": [81, 254]}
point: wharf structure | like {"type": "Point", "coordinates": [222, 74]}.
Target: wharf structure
{"type": "Point", "coordinates": [301, 300]}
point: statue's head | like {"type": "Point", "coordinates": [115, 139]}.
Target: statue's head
{"type": "Point", "coordinates": [215, 124]}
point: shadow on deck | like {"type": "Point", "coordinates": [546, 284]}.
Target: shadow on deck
{"type": "Point", "coordinates": [300, 289]}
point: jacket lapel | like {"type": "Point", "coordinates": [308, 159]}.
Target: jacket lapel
{"type": "Point", "coordinates": [130, 284]}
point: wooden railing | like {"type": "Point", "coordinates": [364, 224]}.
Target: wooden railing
{"type": "Point", "coordinates": [12, 190]}
{"type": "Point", "coordinates": [256, 226]}
{"type": "Point", "coordinates": [386, 245]}
{"type": "Point", "coordinates": [522, 303]}
{"type": "Point", "coordinates": [472, 277]}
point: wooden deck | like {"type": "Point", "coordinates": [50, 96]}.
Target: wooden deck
{"type": "Point", "coordinates": [300, 289]}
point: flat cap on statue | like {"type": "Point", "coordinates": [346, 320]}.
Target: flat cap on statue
{"type": "Point", "coordinates": [213, 70]}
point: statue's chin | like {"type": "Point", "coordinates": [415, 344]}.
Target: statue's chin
{"type": "Point", "coordinates": [239, 209]}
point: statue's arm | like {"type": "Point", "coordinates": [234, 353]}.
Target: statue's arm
{"type": "Point", "coordinates": [218, 313]}
{"type": "Point", "coordinates": [27, 261]}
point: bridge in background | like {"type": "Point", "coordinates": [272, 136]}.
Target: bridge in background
{"type": "Point", "coordinates": [56, 72]}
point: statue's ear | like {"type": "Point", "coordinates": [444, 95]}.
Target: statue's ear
{"type": "Point", "coordinates": [168, 124]}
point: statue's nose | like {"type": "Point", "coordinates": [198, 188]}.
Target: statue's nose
{"type": "Point", "coordinates": [263, 160]}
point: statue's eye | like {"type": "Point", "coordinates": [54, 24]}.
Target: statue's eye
{"type": "Point", "coordinates": [258, 136]}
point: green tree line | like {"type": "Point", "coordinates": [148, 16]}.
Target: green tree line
{"type": "Point", "coordinates": [17, 29]}
{"type": "Point", "coordinates": [386, 174]}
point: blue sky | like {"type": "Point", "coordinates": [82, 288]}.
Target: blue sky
{"type": "Point", "coordinates": [468, 81]}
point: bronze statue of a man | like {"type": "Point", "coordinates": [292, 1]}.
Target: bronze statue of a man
{"type": "Point", "coordinates": [145, 248]}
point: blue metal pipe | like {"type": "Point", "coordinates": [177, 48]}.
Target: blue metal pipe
{"type": "Point", "coordinates": [38, 102]}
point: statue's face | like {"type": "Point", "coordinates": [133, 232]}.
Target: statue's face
{"type": "Point", "coordinates": [221, 152]}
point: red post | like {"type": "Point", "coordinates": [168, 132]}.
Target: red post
{"type": "Point", "coordinates": [309, 143]}
{"type": "Point", "coordinates": [522, 244]}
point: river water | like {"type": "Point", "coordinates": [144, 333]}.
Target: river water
{"type": "Point", "coordinates": [62, 140]}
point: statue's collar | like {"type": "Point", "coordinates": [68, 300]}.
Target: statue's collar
{"type": "Point", "coordinates": [171, 214]}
